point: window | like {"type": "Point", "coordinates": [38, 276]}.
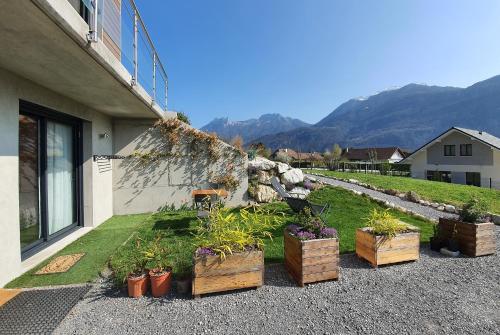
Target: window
{"type": "Point", "coordinates": [444, 176]}
{"type": "Point", "coordinates": [473, 178]}
{"type": "Point", "coordinates": [465, 149]}
{"type": "Point", "coordinates": [449, 150]}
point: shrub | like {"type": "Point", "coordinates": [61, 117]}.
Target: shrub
{"type": "Point", "coordinates": [181, 116]}
{"type": "Point", "coordinates": [385, 168]}
{"type": "Point", "coordinates": [228, 232]}
{"type": "Point", "coordinates": [309, 227]}
{"type": "Point", "coordinates": [385, 224]}
{"type": "Point", "coordinates": [474, 211]}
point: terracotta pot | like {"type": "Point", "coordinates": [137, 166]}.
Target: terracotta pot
{"type": "Point", "coordinates": [160, 283]}
{"type": "Point", "coordinates": [137, 285]}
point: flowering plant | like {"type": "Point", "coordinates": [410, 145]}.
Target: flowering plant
{"type": "Point", "coordinates": [310, 227]}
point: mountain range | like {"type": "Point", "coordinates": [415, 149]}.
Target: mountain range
{"type": "Point", "coordinates": [406, 117]}
{"type": "Point", "coordinates": [251, 129]}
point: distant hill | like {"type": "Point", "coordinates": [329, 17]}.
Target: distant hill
{"type": "Point", "coordinates": [253, 128]}
{"type": "Point", "coordinates": [406, 117]}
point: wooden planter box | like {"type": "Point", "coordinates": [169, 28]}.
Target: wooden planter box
{"type": "Point", "coordinates": [379, 250]}
{"type": "Point", "coordinates": [241, 270]}
{"type": "Point", "coordinates": [312, 260]}
{"type": "Point", "coordinates": [474, 239]}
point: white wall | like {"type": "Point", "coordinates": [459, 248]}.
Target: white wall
{"type": "Point", "coordinates": [419, 167]}
{"type": "Point", "coordinates": [12, 89]}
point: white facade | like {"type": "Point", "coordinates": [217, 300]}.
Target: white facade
{"type": "Point", "coordinates": [481, 168]}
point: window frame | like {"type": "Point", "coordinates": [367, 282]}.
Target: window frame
{"type": "Point", "coordinates": [453, 150]}
{"type": "Point", "coordinates": [466, 152]}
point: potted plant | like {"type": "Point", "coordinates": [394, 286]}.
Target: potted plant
{"type": "Point", "coordinates": [159, 273]}
{"type": "Point", "coordinates": [436, 241]}
{"type": "Point", "coordinates": [386, 240]}
{"type": "Point", "coordinates": [183, 275]}
{"type": "Point", "coordinates": [137, 277]}
{"type": "Point", "coordinates": [472, 232]}
{"type": "Point", "coordinates": [311, 250]}
{"type": "Point", "coordinates": [229, 252]}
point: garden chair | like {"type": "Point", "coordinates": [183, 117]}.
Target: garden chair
{"type": "Point", "coordinates": [297, 204]}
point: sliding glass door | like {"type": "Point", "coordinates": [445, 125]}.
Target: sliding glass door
{"type": "Point", "coordinates": [48, 176]}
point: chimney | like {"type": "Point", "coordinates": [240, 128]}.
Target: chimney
{"type": "Point", "coordinates": [480, 132]}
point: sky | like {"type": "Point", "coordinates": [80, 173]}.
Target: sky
{"type": "Point", "coordinates": [244, 58]}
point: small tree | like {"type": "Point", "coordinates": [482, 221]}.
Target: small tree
{"type": "Point", "coordinates": [237, 142]}
{"type": "Point", "coordinates": [333, 157]}
{"type": "Point", "coordinates": [183, 117]}
{"type": "Point", "coordinates": [261, 150]}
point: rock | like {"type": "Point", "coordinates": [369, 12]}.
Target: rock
{"type": "Point", "coordinates": [292, 177]}
{"type": "Point", "coordinates": [353, 181]}
{"type": "Point", "coordinates": [300, 192]}
{"type": "Point", "coordinates": [434, 204]}
{"type": "Point", "coordinates": [412, 196]}
{"type": "Point", "coordinates": [440, 208]}
{"type": "Point", "coordinates": [264, 193]}
{"type": "Point", "coordinates": [312, 179]}
{"type": "Point", "coordinates": [282, 167]}
{"type": "Point", "coordinates": [424, 202]}
{"type": "Point", "coordinates": [261, 164]}
{"type": "Point", "coordinates": [401, 195]}
{"type": "Point", "coordinates": [391, 192]}
{"type": "Point", "coordinates": [449, 208]}
{"type": "Point", "coordinates": [495, 218]}
{"type": "Point", "coordinates": [357, 192]}
{"type": "Point", "coordinates": [264, 177]}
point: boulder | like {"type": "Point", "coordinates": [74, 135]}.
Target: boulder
{"type": "Point", "coordinates": [450, 208]}
{"type": "Point", "coordinates": [353, 181]}
{"type": "Point", "coordinates": [261, 164]}
{"type": "Point", "coordinates": [300, 192]}
{"type": "Point", "coordinates": [292, 177]}
{"type": "Point", "coordinates": [412, 196]}
{"type": "Point", "coordinates": [264, 193]}
{"type": "Point", "coordinates": [434, 204]}
{"type": "Point", "coordinates": [282, 167]}
{"type": "Point", "coordinates": [264, 177]}
{"type": "Point", "coordinates": [312, 179]}
{"type": "Point", "coordinates": [391, 192]}
{"type": "Point", "coordinates": [440, 208]}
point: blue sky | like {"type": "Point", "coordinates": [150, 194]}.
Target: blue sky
{"type": "Point", "coordinates": [244, 58]}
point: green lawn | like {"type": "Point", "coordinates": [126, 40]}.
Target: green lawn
{"type": "Point", "coordinates": [348, 212]}
{"type": "Point", "coordinates": [106, 243]}
{"type": "Point", "coordinates": [98, 245]}
{"type": "Point", "coordinates": [454, 194]}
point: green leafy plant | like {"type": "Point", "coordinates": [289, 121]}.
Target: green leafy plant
{"type": "Point", "coordinates": [181, 116]}
{"type": "Point", "coordinates": [474, 211]}
{"type": "Point", "coordinates": [229, 232]}
{"type": "Point", "coordinates": [385, 224]}
{"type": "Point", "coordinates": [155, 255]}
{"type": "Point", "coordinates": [133, 264]}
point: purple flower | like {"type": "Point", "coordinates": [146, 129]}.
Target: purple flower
{"type": "Point", "coordinates": [327, 232]}
{"type": "Point", "coordinates": [205, 252]}
{"type": "Point", "coordinates": [308, 185]}
{"type": "Point", "coordinates": [294, 229]}
{"type": "Point", "coordinates": [305, 235]}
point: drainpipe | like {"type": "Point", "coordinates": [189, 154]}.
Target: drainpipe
{"type": "Point", "coordinates": [92, 35]}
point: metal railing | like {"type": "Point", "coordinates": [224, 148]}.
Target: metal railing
{"type": "Point", "coordinates": [126, 30]}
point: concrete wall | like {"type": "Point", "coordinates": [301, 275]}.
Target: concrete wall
{"type": "Point", "coordinates": [148, 186]}
{"type": "Point", "coordinates": [481, 153]}
{"type": "Point", "coordinates": [98, 200]}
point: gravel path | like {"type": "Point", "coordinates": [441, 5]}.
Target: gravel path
{"type": "Point", "coordinates": [435, 295]}
{"type": "Point", "coordinates": [425, 211]}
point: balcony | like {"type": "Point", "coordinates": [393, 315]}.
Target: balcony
{"type": "Point", "coordinates": [107, 62]}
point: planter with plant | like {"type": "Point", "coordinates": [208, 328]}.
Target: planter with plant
{"type": "Point", "coordinates": [473, 234]}
{"type": "Point", "coordinates": [436, 242]}
{"type": "Point", "coordinates": [137, 276]}
{"type": "Point", "coordinates": [160, 273]}
{"type": "Point", "coordinates": [386, 240]}
{"type": "Point", "coordinates": [311, 250]}
{"type": "Point", "coordinates": [229, 253]}
{"type": "Point", "coordinates": [183, 275]}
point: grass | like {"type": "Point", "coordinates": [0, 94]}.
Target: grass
{"type": "Point", "coordinates": [348, 212]}
{"type": "Point", "coordinates": [106, 243]}
{"type": "Point", "coordinates": [98, 245]}
{"type": "Point", "coordinates": [434, 191]}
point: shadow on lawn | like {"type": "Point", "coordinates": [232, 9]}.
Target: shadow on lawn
{"type": "Point", "coordinates": [179, 226]}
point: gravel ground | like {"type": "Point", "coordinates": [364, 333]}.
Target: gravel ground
{"type": "Point", "coordinates": [435, 295]}
{"type": "Point", "coordinates": [426, 211]}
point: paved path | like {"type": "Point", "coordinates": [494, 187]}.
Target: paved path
{"type": "Point", "coordinates": [426, 211]}
{"type": "Point", "coordinates": [435, 295]}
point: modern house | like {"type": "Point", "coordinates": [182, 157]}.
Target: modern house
{"type": "Point", "coordinates": [375, 155]}
{"type": "Point", "coordinates": [81, 85]}
{"type": "Point", "coordinates": [459, 155]}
